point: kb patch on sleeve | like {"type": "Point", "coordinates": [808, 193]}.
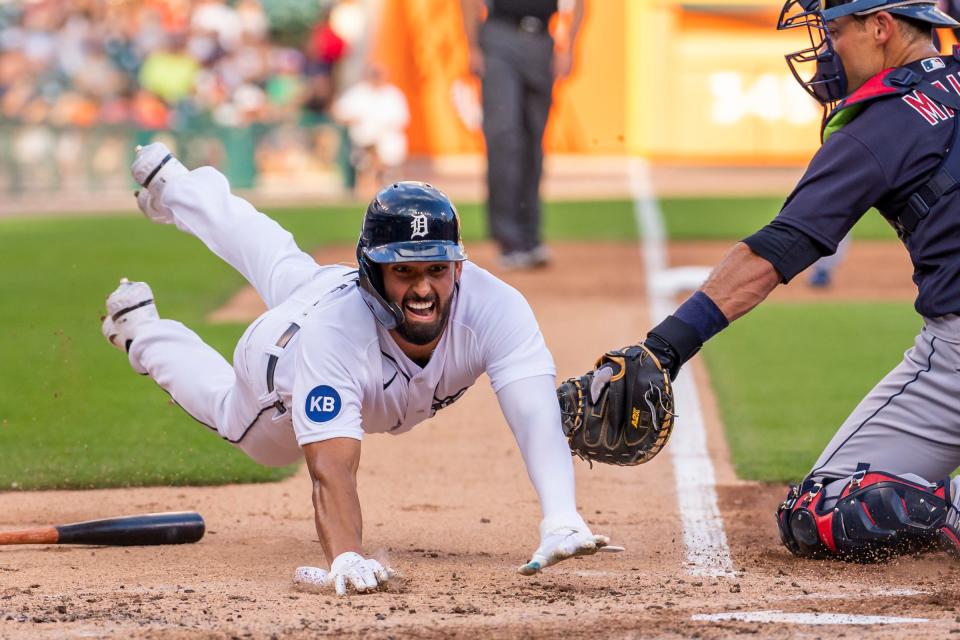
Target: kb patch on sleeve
{"type": "Point", "coordinates": [323, 404]}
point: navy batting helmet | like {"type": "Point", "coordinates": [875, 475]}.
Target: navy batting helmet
{"type": "Point", "coordinates": [405, 222]}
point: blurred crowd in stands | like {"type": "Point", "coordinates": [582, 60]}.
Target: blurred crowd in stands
{"type": "Point", "coordinates": [154, 63]}
{"type": "Point", "coordinates": [253, 80]}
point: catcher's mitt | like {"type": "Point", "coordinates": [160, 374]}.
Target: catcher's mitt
{"type": "Point", "coordinates": [622, 411]}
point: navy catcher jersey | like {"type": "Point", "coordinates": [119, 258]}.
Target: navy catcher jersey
{"type": "Point", "coordinates": [879, 159]}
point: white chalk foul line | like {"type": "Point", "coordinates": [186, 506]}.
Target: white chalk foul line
{"type": "Point", "coordinates": [803, 618]}
{"type": "Point", "coordinates": [881, 593]}
{"type": "Point", "coordinates": [707, 553]}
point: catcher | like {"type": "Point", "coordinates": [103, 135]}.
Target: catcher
{"type": "Point", "coordinates": [891, 140]}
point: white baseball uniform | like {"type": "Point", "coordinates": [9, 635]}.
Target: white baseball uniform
{"type": "Point", "coordinates": [317, 365]}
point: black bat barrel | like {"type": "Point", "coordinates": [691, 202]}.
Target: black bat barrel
{"type": "Point", "coordinates": [178, 527]}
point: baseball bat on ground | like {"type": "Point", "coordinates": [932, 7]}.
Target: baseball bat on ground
{"type": "Point", "coordinates": [176, 527]}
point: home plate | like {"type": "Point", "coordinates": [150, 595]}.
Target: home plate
{"type": "Point", "coordinates": [803, 618]}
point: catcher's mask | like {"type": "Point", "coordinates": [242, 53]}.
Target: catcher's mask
{"type": "Point", "coordinates": [828, 82]}
{"type": "Point", "coordinates": [405, 222]}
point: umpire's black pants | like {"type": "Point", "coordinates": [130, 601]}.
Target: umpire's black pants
{"type": "Point", "coordinates": [517, 91]}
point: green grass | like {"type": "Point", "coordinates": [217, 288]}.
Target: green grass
{"type": "Point", "coordinates": [787, 375]}
{"type": "Point", "coordinates": [73, 414]}
{"type": "Point", "coordinates": [737, 218]}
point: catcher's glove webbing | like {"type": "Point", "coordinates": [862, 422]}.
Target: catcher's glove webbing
{"type": "Point", "coordinates": [622, 411]}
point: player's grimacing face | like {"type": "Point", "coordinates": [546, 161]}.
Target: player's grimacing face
{"type": "Point", "coordinates": [423, 291]}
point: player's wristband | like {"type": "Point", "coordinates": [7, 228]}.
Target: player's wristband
{"type": "Point", "coordinates": [703, 315]}
{"type": "Point", "coordinates": [673, 342]}
{"type": "Point", "coordinates": [680, 336]}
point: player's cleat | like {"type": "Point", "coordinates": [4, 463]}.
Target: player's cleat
{"type": "Point", "coordinates": [128, 308]}
{"type": "Point", "coordinates": [153, 168]}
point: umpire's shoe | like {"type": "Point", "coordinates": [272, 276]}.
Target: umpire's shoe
{"type": "Point", "coordinates": [129, 307]}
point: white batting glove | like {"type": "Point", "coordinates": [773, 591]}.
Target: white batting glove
{"type": "Point", "coordinates": [347, 570]}
{"type": "Point", "coordinates": [153, 168]}
{"type": "Point", "coordinates": [563, 537]}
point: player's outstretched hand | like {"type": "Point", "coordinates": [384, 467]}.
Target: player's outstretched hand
{"type": "Point", "coordinates": [348, 570]}
{"type": "Point", "coordinates": [153, 168]}
{"type": "Point", "coordinates": [561, 541]}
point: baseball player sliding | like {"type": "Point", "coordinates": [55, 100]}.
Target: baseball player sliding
{"type": "Point", "coordinates": [343, 351]}
{"type": "Point", "coordinates": [891, 141]}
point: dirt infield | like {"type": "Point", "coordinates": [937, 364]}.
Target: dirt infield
{"type": "Point", "coordinates": [872, 270]}
{"type": "Point", "coordinates": [450, 507]}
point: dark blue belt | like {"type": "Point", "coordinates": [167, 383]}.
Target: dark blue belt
{"type": "Point", "coordinates": [527, 24]}
{"type": "Point", "coordinates": [272, 362]}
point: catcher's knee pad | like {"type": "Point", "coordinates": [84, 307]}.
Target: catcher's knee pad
{"type": "Point", "coordinates": [876, 515]}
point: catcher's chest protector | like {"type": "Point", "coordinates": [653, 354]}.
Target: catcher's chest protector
{"type": "Point", "coordinates": [877, 515]}
{"type": "Point", "coordinates": [895, 83]}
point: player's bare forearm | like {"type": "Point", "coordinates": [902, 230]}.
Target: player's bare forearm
{"type": "Point", "coordinates": [740, 282]}
{"type": "Point", "coordinates": [333, 468]}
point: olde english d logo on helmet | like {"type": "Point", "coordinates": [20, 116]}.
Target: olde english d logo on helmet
{"type": "Point", "coordinates": [418, 226]}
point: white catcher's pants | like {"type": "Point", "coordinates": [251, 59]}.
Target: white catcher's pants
{"type": "Point", "coordinates": [233, 400]}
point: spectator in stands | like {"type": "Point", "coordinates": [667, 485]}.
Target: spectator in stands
{"type": "Point", "coordinates": [323, 51]}
{"type": "Point", "coordinates": [376, 115]}
{"type": "Point", "coordinates": [171, 71]}
{"type": "Point", "coordinates": [285, 87]}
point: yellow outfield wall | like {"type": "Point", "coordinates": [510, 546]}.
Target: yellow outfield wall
{"type": "Point", "coordinates": [708, 83]}
{"type": "Point", "coordinates": [689, 82]}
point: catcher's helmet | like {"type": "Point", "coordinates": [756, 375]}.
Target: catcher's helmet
{"type": "Point", "coordinates": [923, 10]}
{"type": "Point", "coordinates": [405, 222]}
{"type": "Point", "coordinates": [828, 82]}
